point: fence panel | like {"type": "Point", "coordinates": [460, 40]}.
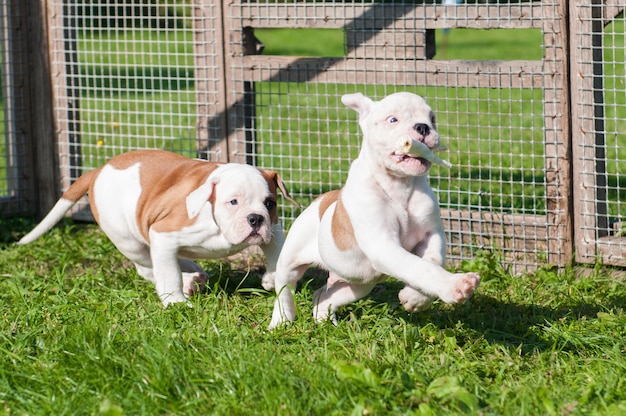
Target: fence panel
{"type": "Point", "coordinates": [133, 75]}
{"type": "Point", "coordinates": [599, 126]}
{"type": "Point", "coordinates": [505, 121]}
{"type": "Point", "coordinates": [16, 190]}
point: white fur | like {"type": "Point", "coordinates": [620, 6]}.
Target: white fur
{"type": "Point", "coordinates": [55, 215]}
{"type": "Point", "coordinates": [395, 216]}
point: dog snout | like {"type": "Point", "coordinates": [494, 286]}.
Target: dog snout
{"type": "Point", "coordinates": [255, 221]}
{"type": "Point", "coordinates": [422, 129]}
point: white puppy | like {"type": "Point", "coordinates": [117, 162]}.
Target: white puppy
{"type": "Point", "coordinates": [161, 209]}
{"type": "Point", "coordinates": [385, 221]}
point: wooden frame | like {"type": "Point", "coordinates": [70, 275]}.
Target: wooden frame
{"type": "Point", "coordinates": [593, 236]}
{"type": "Point", "coordinates": [30, 129]}
{"type": "Point", "coordinates": [550, 75]}
{"type": "Point", "coordinates": [227, 65]}
{"type": "Point", "coordinates": [212, 107]}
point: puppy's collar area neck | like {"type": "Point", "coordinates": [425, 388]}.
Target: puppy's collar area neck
{"type": "Point", "coordinates": [394, 185]}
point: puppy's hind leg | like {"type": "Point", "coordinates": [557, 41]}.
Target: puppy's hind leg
{"type": "Point", "coordinates": [145, 272]}
{"type": "Point", "coordinates": [195, 279]}
{"type": "Point", "coordinates": [138, 253]}
{"type": "Point", "coordinates": [140, 256]}
{"type": "Point", "coordinates": [335, 294]}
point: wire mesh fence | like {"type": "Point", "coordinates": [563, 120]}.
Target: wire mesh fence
{"type": "Point", "coordinates": [496, 117]}
{"type": "Point", "coordinates": [260, 82]}
{"type": "Point", "coordinates": [133, 75]}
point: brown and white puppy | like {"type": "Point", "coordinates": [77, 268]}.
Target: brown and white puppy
{"type": "Point", "coordinates": [384, 222]}
{"type": "Point", "coordinates": [161, 210]}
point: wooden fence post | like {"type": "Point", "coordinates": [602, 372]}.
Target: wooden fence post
{"type": "Point", "coordinates": [210, 82]}
{"type": "Point", "coordinates": [19, 196]}
{"type": "Point", "coordinates": [557, 136]}
{"type": "Point", "coordinates": [44, 149]}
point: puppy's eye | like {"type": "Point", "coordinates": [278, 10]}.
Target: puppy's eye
{"type": "Point", "coordinates": [233, 202]}
{"type": "Point", "coordinates": [392, 119]}
{"type": "Point", "coordinates": [270, 204]}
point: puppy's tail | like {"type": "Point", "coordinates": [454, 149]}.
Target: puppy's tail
{"type": "Point", "coordinates": [67, 201]}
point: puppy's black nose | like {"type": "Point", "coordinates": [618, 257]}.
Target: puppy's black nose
{"type": "Point", "coordinates": [255, 220]}
{"type": "Point", "coordinates": [422, 129]}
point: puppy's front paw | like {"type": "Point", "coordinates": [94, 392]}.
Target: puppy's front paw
{"type": "Point", "coordinates": [284, 311]}
{"type": "Point", "coordinates": [267, 281]}
{"type": "Point", "coordinates": [170, 298]}
{"type": "Point", "coordinates": [277, 320]}
{"type": "Point", "coordinates": [414, 300]}
{"type": "Point", "coordinates": [194, 282]}
{"type": "Point", "coordinates": [463, 286]}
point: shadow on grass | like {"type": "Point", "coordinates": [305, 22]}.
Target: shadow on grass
{"type": "Point", "coordinates": [510, 323]}
{"type": "Point", "coordinates": [513, 324]}
{"type": "Point", "coordinates": [244, 276]}
{"type": "Point", "coordinates": [12, 229]}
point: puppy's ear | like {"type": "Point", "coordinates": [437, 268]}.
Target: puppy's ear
{"type": "Point", "coordinates": [275, 179]}
{"type": "Point", "coordinates": [196, 199]}
{"type": "Point", "coordinates": [359, 103]}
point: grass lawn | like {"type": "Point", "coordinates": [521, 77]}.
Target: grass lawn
{"type": "Point", "coordinates": [80, 333]}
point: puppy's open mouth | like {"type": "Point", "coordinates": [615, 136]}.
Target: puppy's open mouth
{"type": "Point", "coordinates": [415, 154]}
{"type": "Point", "coordinates": [410, 160]}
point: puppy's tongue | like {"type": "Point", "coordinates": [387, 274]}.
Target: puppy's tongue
{"type": "Point", "coordinates": [413, 148]}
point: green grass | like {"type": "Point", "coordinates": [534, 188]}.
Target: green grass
{"type": "Point", "coordinates": [481, 44]}
{"type": "Point", "coordinates": [80, 333]}
{"type": "Point", "coordinates": [615, 112]}
{"type": "Point", "coordinates": [297, 42]}
{"type": "Point", "coordinates": [470, 44]}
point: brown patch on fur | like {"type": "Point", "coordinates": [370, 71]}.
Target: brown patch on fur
{"type": "Point", "coordinates": [272, 180]}
{"type": "Point", "coordinates": [327, 200]}
{"type": "Point", "coordinates": [341, 226]}
{"type": "Point", "coordinates": [166, 179]}
{"type": "Point", "coordinates": [81, 186]}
